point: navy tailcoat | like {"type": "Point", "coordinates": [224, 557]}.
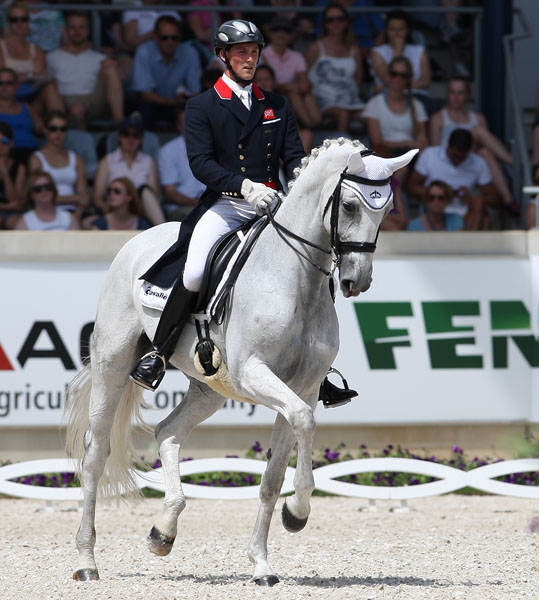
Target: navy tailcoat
{"type": "Point", "coordinates": [227, 143]}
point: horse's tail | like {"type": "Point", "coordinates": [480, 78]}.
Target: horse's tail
{"type": "Point", "coordinates": [118, 478]}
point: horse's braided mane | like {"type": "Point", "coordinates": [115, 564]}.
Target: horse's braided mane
{"type": "Point", "coordinates": [315, 152]}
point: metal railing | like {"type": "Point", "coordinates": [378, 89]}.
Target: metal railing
{"type": "Point", "coordinates": [521, 167]}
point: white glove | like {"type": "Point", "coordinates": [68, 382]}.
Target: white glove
{"type": "Point", "coordinates": [259, 196]}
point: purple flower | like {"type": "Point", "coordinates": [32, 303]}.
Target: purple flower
{"type": "Point", "coordinates": [457, 449]}
{"type": "Point", "coordinates": [256, 447]}
{"type": "Point", "coordinates": [156, 463]}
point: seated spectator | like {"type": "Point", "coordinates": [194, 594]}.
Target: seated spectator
{"type": "Point", "coordinates": [265, 80]}
{"type": "Point", "coordinates": [46, 25]}
{"type": "Point", "coordinates": [397, 43]}
{"type": "Point", "coordinates": [396, 219]}
{"type": "Point", "coordinates": [12, 178]}
{"type": "Point", "coordinates": [466, 173]}
{"type": "Point", "coordinates": [181, 188]}
{"type": "Point", "coordinates": [165, 72]}
{"type": "Point", "coordinates": [44, 215]}
{"type": "Point", "coordinates": [27, 59]}
{"type": "Point", "coordinates": [123, 209]}
{"type": "Point", "coordinates": [65, 167]}
{"type": "Point", "coordinates": [455, 115]}
{"type": "Point", "coordinates": [88, 81]}
{"type": "Point", "coordinates": [128, 161]}
{"type": "Point", "coordinates": [138, 25]}
{"type": "Point", "coordinates": [290, 70]}
{"type": "Point", "coordinates": [530, 221]}
{"type": "Point", "coordinates": [335, 69]}
{"type": "Point", "coordinates": [202, 22]}
{"type": "Point", "coordinates": [394, 123]}
{"type": "Point", "coordinates": [437, 199]}
{"type": "Point", "coordinates": [366, 27]}
{"type": "Point", "coordinates": [19, 116]}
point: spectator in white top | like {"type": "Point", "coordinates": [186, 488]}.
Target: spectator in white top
{"type": "Point", "coordinates": [88, 81]}
{"type": "Point", "coordinates": [181, 188]}
{"type": "Point", "coordinates": [43, 214]}
{"type": "Point", "coordinates": [396, 122]}
{"type": "Point", "coordinates": [129, 161]}
{"type": "Point", "coordinates": [65, 167]}
{"type": "Point", "coordinates": [466, 173]}
{"type": "Point", "coordinates": [398, 43]}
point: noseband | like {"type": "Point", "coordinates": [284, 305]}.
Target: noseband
{"type": "Point", "coordinates": [337, 245]}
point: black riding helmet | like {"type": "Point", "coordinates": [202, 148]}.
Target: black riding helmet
{"type": "Point", "coordinates": [235, 32]}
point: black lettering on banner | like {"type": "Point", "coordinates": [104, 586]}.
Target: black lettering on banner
{"type": "Point", "coordinates": [58, 405]}
{"type": "Point", "coordinates": [59, 349]}
{"type": "Point", "coordinates": [85, 335]}
{"type": "Point", "coordinates": [5, 404]}
{"type": "Point", "coordinates": [158, 402]}
{"type": "Point", "coordinates": [36, 404]}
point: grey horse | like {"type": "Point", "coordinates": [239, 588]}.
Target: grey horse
{"type": "Point", "coordinates": [276, 343]}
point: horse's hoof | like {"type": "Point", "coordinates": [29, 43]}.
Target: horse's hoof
{"type": "Point", "coordinates": [290, 522]}
{"type": "Point", "coordinates": [86, 575]}
{"type": "Point", "coordinates": [267, 580]}
{"type": "Point", "coordinates": [158, 543]}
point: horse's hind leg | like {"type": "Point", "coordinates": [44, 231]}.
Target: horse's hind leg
{"type": "Point", "coordinates": [281, 444]}
{"type": "Point", "coordinates": [199, 403]}
{"type": "Point", "coordinates": [110, 385]}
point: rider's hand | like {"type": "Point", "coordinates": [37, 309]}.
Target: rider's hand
{"type": "Point", "coordinates": [259, 196]}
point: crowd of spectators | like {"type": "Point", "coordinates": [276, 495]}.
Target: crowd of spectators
{"type": "Point", "coordinates": [366, 76]}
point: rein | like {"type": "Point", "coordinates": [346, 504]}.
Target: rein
{"type": "Point", "coordinates": [337, 245]}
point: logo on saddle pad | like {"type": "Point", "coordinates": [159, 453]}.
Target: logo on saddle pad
{"type": "Point", "coordinates": [269, 114]}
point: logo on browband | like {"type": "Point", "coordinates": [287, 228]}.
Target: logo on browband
{"type": "Point", "coordinates": [375, 194]}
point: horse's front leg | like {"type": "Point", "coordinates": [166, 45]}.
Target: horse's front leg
{"type": "Point", "coordinates": [261, 383]}
{"type": "Point", "coordinates": [281, 444]}
{"type": "Point", "coordinates": [199, 403]}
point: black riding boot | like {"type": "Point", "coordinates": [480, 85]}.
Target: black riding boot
{"type": "Point", "coordinates": [150, 369]}
{"type": "Point", "coordinates": [333, 396]}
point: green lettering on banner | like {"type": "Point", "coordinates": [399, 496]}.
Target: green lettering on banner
{"type": "Point", "coordinates": [509, 314]}
{"type": "Point", "coordinates": [512, 314]}
{"type": "Point", "coordinates": [438, 317]}
{"type": "Point", "coordinates": [372, 319]}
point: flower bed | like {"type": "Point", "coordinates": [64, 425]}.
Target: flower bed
{"type": "Point", "coordinates": [458, 459]}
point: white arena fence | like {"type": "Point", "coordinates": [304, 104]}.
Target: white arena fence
{"type": "Point", "coordinates": [449, 478]}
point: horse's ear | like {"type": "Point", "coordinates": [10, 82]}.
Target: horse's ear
{"type": "Point", "coordinates": [401, 161]}
{"type": "Point", "coordinates": [355, 163]}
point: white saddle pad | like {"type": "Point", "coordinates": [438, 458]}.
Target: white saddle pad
{"type": "Point", "coordinates": [152, 296]}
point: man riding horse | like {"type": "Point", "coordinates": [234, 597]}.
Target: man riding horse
{"type": "Point", "coordinates": [236, 135]}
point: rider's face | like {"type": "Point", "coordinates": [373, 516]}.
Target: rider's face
{"type": "Point", "coordinates": [243, 58]}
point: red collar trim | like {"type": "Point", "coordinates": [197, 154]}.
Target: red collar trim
{"type": "Point", "coordinates": [225, 93]}
{"type": "Point", "coordinates": [222, 89]}
{"type": "Point", "coordinates": [258, 92]}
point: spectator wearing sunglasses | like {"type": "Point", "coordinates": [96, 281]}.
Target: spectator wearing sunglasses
{"type": "Point", "coordinates": [20, 116]}
{"type": "Point", "coordinates": [165, 72]}
{"type": "Point", "coordinates": [27, 59]}
{"type": "Point", "coordinates": [88, 81]}
{"type": "Point", "coordinates": [290, 68]}
{"type": "Point", "coordinates": [42, 213]}
{"type": "Point", "coordinates": [335, 70]}
{"type": "Point", "coordinates": [396, 122]}
{"type": "Point", "coordinates": [138, 25]}
{"type": "Point", "coordinates": [123, 209]}
{"type": "Point", "coordinates": [436, 200]}
{"type": "Point", "coordinates": [65, 166]}
{"type": "Point", "coordinates": [12, 178]}
{"type": "Point", "coordinates": [129, 161]}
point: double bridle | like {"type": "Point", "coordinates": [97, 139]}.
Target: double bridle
{"type": "Point", "coordinates": [337, 245]}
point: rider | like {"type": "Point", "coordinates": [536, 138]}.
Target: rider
{"type": "Point", "coordinates": [235, 134]}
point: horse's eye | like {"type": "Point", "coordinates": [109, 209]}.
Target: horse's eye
{"type": "Point", "coordinates": [347, 206]}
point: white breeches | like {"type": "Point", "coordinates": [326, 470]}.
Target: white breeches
{"type": "Point", "coordinates": [224, 216]}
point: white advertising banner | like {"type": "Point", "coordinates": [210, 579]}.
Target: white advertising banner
{"type": "Point", "coordinates": [433, 341]}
